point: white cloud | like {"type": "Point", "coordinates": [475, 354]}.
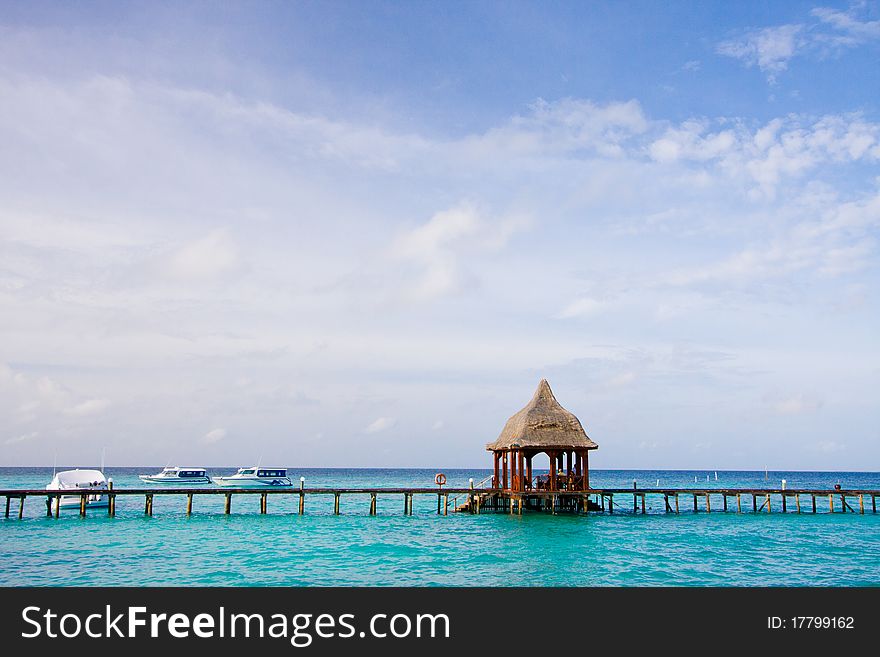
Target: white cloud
{"type": "Point", "coordinates": [852, 31]}
{"type": "Point", "coordinates": [205, 258]}
{"type": "Point", "coordinates": [214, 436]}
{"type": "Point", "coordinates": [772, 48]}
{"type": "Point", "coordinates": [89, 407]}
{"type": "Point", "coordinates": [769, 48]}
{"type": "Point", "coordinates": [380, 424]}
{"type": "Point", "coordinates": [22, 438]}
{"type": "Point", "coordinates": [582, 307]}
{"type": "Point", "coordinates": [796, 405]}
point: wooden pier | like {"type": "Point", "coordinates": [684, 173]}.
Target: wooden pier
{"type": "Point", "coordinates": [478, 500]}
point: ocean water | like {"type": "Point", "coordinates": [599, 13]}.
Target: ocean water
{"type": "Point", "coordinates": [490, 549]}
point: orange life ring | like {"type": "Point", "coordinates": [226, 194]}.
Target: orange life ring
{"type": "Point", "coordinates": [440, 479]}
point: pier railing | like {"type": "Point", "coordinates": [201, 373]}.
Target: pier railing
{"type": "Point", "coordinates": [493, 499]}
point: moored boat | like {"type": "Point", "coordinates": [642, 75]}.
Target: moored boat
{"type": "Point", "coordinates": [76, 481]}
{"type": "Point", "coordinates": [178, 476]}
{"type": "Point", "coordinates": [255, 477]}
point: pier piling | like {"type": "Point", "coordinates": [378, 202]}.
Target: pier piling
{"type": "Point", "coordinates": [189, 504]}
{"type": "Point", "coordinates": [372, 504]}
{"type": "Point", "coordinates": [738, 503]}
{"type": "Point", "coordinates": [7, 506]}
{"type": "Point", "coordinates": [82, 506]}
{"type": "Point", "coordinates": [227, 508]}
{"type": "Point", "coordinates": [21, 507]}
{"type": "Point", "coordinates": [302, 502]}
{"type": "Point", "coordinates": [336, 504]}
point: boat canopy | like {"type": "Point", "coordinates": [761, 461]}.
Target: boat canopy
{"type": "Point", "coordinates": [80, 478]}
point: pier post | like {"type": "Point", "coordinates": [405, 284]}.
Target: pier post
{"type": "Point", "coordinates": [511, 505]}
{"type": "Point", "coordinates": [768, 503]}
{"type": "Point", "coordinates": [519, 505]}
{"type": "Point", "coordinates": [189, 504]}
{"type": "Point", "coordinates": [738, 503]}
{"type": "Point", "coordinates": [643, 503]}
{"type": "Point", "coordinates": [695, 502]}
{"type": "Point", "coordinates": [21, 506]}
{"type": "Point", "coordinates": [610, 502]}
{"type": "Point", "coordinates": [372, 504]}
{"type": "Point", "coordinates": [445, 504]}
{"type": "Point", "coordinates": [676, 502]}
{"type": "Point", "coordinates": [754, 503]}
{"type": "Point", "coordinates": [784, 507]}
{"type": "Point", "coordinates": [228, 507]}
{"type": "Point", "coordinates": [724, 498]}
{"type": "Point", "coordinates": [586, 503]}
{"type": "Point", "coordinates": [336, 504]}
{"type": "Point", "coordinates": [708, 504]}
{"type": "Point", "coordinates": [7, 507]}
{"type": "Point", "coordinates": [264, 503]}
{"type": "Point", "coordinates": [439, 503]}
{"type": "Point", "coordinates": [666, 502]}
{"type": "Point", "coordinates": [873, 504]}
{"type": "Point", "coordinates": [302, 502]}
{"type": "Point", "coordinates": [813, 497]}
{"type": "Point", "coordinates": [861, 506]}
{"type": "Point", "coordinates": [797, 501]}
{"type": "Point", "coordinates": [553, 504]}
{"type": "Point", "coordinates": [830, 503]}
{"type": "Point", "coordinates": [57, 505]}
{"type": "Point", "coordinates": [48, 507]}
{"type": "Point", "coordinates": [82, 506]}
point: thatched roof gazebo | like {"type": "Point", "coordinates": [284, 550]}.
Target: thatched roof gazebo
{"type": "Point", "coordinates": [543, 426]}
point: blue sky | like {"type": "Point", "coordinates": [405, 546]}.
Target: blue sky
{"type": "Point", "coordinates": [357, 234]}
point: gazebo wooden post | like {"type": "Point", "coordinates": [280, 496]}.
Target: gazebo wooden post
{"type": "Point", "coordinates": [553, 456]}
{"type": "Point", "coordinates": [513, 470]}
{"type": "Point", "coordinates": [504, 470]}
{"type": "Point", "coordinates": [522, 470]}
{"type": "Point", "coordinates": [529, 471]}
{"type": "Point", "coordinates": [586, 469]}
{"type": "Point", "coordinates": [495, 479]}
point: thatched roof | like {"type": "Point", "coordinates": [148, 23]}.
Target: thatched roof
{"type": "Point", "coordinates": [543, 424]}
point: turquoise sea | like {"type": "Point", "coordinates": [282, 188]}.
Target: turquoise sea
{"type": "Point", "coordinates": [355, 549]}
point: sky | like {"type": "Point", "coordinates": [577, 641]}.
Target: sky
{"type": "Point", "coordinates": [357, 234]}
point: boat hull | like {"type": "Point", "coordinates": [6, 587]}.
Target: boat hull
{"type": "Point", "coordinates": [175, 481]}
{"type": "Point", "coordinates": [74, 501]}
{"type": "Point", "coordinates": [232, 482]}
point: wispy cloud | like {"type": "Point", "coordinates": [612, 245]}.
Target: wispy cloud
{"type": "Point", "coordinates": [772, 48]}
{"type": "Point", "coordinates": [214, 436]}
{"type": "Point", "coordinates": [769, 48]}
{"type": "Point", "coordinates": [380, 424]}
{"type": "Point", "coordinates": [26, 437]}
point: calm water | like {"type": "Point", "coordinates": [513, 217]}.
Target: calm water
{"type": "Point", "coordinates": [354, 549]}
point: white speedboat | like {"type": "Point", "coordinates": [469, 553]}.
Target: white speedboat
{"type": "Point", "coordinates": [255, 477]}
{"type": "Point", "coordinates": [79, 480]}
{"type": "Point", "coordinates": [179, 476]}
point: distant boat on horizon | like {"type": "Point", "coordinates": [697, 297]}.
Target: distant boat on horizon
{"type": "Point", "coordinates": [255, 477]}
{"type": "Point", "coordinates": [178, 475]}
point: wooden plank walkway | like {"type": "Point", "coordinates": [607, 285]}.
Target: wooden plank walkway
{"type": "Point", "coordinates": [487, 499]}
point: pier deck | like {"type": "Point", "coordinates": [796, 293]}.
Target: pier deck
{"type": "Point", "coordinates": [477, 500]}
